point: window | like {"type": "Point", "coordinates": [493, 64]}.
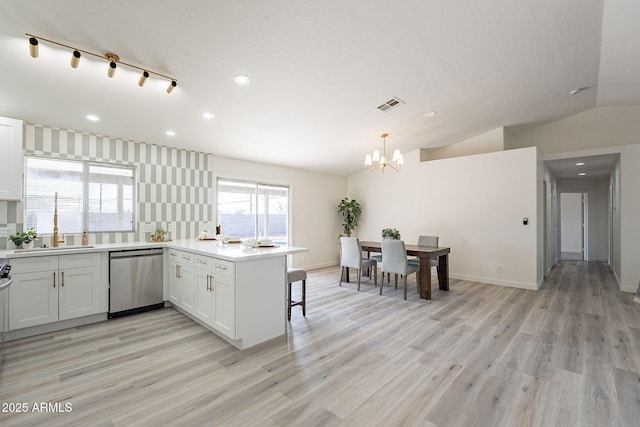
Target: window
{"type": "Point", "coordinates": [91, 197]}
{"type": "Point", "coordinates": [252, 210]}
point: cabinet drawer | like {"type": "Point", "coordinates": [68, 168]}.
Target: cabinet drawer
{"type": "Point", "coordinates": [33, 264]}
{"type": "Point", "coordinates": [186, 258]}
{"type": "Point", "coordinates": [79, 260]}
{"type": "Point", "coordinates": [204, 262]}
{"type": "Point", "coordinates": [224, 268]}
{"type": "Point", "coordinates": [181, 257]}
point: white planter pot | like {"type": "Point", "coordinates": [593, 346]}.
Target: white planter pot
{"type": "Point", "coordinates": [28, 245]}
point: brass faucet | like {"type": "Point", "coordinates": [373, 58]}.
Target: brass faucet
{"type": "Point", "coordinates": [56, 239]}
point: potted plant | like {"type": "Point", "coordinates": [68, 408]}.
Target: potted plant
{"type": "Point", "coordinates": [350, 211]}
{"type": "Point", "coordinates": [24, 239]}
{"type": "Point", "coordinates": [158, 235]}
{"type": "Point", "coordinates": [391, 233]}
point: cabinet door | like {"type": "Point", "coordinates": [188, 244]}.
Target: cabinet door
{"type": "Point", "coordinates": [188, 283]}
{"type": "Point", "coordinates": [175, 284]}
{"type": "Point", "coordinates": [204, 296]}
{"type": "Point", "coordinates": [79, 292]}
{"type": "Point", "coordinates": [33, 299]}
{"type": "Point", "coordinates": [11, 173]}
{"type": "Point", "coordinates": [225, 305]}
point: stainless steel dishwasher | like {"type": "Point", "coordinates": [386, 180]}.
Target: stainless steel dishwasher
{"type": "Point", "coordinates": [135, 281]}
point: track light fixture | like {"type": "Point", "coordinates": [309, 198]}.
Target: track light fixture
{"type": "Point", "coordinates": [33, 47]}
{"type": "Point", "coordinates": [75, 59]}
{"type": "Point", "coordinates": [114, 61]}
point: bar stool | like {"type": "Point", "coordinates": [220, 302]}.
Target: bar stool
{"type": "Point", "coordinates": [296, 275]}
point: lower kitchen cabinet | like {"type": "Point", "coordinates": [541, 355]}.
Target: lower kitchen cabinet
{"type": "Point", "coordinates": [215, 294]}
{"type": "Point", "coordinates": [182, 287]}
{"type": "Point", "coordinates": [243, 301]}
{"type": "Point", "coordinates": [51, 288]}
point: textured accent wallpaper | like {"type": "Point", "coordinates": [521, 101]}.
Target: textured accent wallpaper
{"type": "Point", "coordinates": [174, 186]}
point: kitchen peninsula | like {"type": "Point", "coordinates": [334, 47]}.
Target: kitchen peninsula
{"type": "Point", "coordinates": [235, 291]}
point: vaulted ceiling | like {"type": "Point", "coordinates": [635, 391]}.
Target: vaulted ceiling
{"type": "Point", "coordinates": [318, 70]}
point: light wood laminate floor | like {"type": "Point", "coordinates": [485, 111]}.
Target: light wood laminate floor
{"type": "Point", "coordinates": [479, 355]}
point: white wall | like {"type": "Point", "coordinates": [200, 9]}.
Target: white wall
{"type": "Point", "coordinates": [474, 203]}
{"type": "Point", "coordinates": [592, 129]}
{"type": "Point", "coordinates": [484, 143]}
{"type": "Point", "coordinates": [314, 199]}
{"type": "Point", "coordinates": [598, 131]}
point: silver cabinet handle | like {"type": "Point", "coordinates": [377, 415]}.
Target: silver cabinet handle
{"type": "Point", "coordinates": [221, 267]}
{"type": "Point", "coordinates": [178, 271]}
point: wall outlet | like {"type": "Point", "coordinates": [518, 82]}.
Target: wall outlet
{"type": "Point", "coordinates": [498, 269]}
{"type": "Point", "coordinates": [5, 231]}
{"type": "Point", "coordinates": [148, 227]}
{"type": "Point", "coordinates": [171, 227]}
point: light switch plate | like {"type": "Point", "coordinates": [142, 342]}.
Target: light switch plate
{"type": "Point", "coordinates": [5, 231]}
{"type": "Point", "coordinates": [148, 227]}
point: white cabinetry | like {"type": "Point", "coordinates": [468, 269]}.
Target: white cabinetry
{"type": "Point", "coordinates": [11, 173]}
{"type": "Point", "coordinates": [224, 287]}
{"type": "Point", "coordinates": [216, 294]}
{"type": "Point", "coordinates": [182, 286]}
{"type": "Point", "coordinates": [205, 297]}
{"type": "Point", "coordinates": [51, 288]}
{"type": "Point", "coordinates": [244, 301]}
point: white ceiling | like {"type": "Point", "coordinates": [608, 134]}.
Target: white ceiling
{"type": "Point", "coordinates": [318, 71]}
{"type": "Point", "coordinates": [593, 166]}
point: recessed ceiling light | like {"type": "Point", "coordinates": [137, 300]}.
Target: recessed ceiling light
{"type": "Point", "coordinates": [208, 116]}
{"type": "Point", "coordinates": [430, 114]}
{"type": "Point", "coordinates": [170, 133]}
{"type": "Point", "coordinates": [582, 174]}
{"type": "Point", "coordinates": [241, 80]}
{"type": "Point", "coordinates": [93, 117]}
{"type": "Point", "coordinates": [580, 164]}
{"type": "Point", "coordinates": [578, 90]}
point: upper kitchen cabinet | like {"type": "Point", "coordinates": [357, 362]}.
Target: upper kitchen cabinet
{"type": "Point", "coordinates": [11, 172]}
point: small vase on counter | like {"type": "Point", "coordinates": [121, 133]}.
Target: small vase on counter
{"type": "Point", "coordinates": [85, 238]}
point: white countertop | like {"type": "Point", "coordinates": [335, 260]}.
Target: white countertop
{"type": "Point", "coordinates": [232, 252]}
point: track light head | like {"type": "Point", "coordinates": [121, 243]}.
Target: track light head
{"type": "Point", "coordinates": [143, 78]}
{"type": "Point", "coordinates": [33, 47]}
{"type": "Point", "coordinates": [113, 58]}
{"type": "Point", "coordinates": [172, 85]}
{"type": "Point", "coordinates": [75, 59]}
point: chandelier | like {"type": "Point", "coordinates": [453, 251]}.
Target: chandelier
{"type": "Point", "coordinates": [376, 161]}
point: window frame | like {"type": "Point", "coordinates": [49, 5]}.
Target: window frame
{"type": "Point", "coordinates": [257, 194]}
{"type": "Point", "coordinates": [86, 167]}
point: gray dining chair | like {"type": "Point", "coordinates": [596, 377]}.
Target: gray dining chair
{"type": "Point", "coordinates": [394, 261]}
{"type": "Point", "coordinates": [351, 257]}
{"type": "Point", "coordinates": [427, 241]}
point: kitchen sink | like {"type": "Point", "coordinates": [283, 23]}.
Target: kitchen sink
{"type": "Point", "coordinates": [59, 248]}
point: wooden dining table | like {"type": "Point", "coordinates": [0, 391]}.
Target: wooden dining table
{"type": "Point", "coordinates": [425, 254]}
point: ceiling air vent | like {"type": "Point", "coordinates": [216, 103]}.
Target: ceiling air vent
{"type": "Point", "coordinates": [392, 103]}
